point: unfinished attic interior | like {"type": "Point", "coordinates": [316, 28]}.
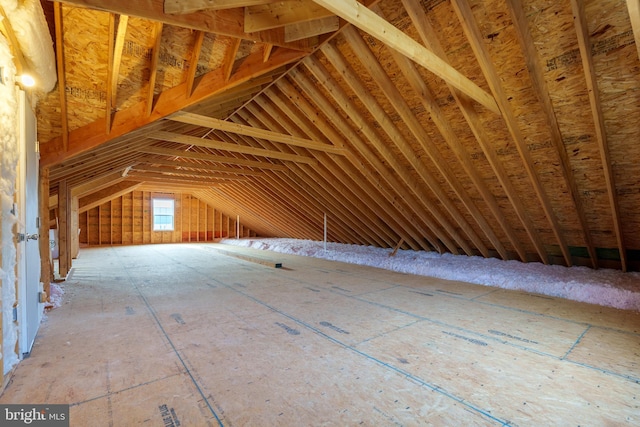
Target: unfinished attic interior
{"type": "Point", "coordinates": [500, 129]}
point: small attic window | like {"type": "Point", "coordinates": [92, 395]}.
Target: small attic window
{"type": "Point", "coordinates": [163, 213]}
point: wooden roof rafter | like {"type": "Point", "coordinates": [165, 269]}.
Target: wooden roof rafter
{"type": "Point", "coordinates": [316, 125]}
{"type": "Point", "coordinates": [584, 44]}
{"type": "Point", "coordinates": [388, 127]}
{"type": "Point", "coordinates": [168, 102]}
{"type": "Point", "coordinates": [351, 203]}
{"type": "Point", "coordinates": [225, 22]}
{"type": "Point", "coordinates": [633, 7]}
{"type": "Point", "coordinates": [469, 25]}
{"type": "Point", "coordinates": [115, 57]}
{"type": "Point", "coordinates": [155, 56]}
{"type": "Point", "coordinates": [397, 100]}
{"type": "Point", "coordinates": [541, 90]}
{"type": "Point", "coordinates": [445, 230]}
{"type": "Point", "coordinates": [434, 235]}
{"type": "Point", "coordinates": [339, 167]}
{"type": "Point", "coordinates": [195, 55]}
{"type": "Point", "coordinates": [366, 20]}
{"type": "Point", "coordinates": [430, 39]}
{"type": "Point", "coordinates": [60, 65]}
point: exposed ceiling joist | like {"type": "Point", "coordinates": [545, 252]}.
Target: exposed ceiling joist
{"type": "Point", "coordinates": [233, 148]}
{"type": "Point", "coordinates": [212, 158]}
{"type": "Point", "coordinates": [185, 172]}
{"type": "Point", "coordinates": [213, 123]}
{"type": "Point", "coordinates": [185, 166]}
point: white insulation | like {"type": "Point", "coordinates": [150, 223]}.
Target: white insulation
{"type": "Point", "coordinates": [30, 27]}
{"type": "Point", "coordinates": [605, 287]}
{"type": "Point", "coordinates": [8, 171]}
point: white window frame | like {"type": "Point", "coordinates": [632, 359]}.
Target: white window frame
{"type": "Point", "coordinates": [163, 225]}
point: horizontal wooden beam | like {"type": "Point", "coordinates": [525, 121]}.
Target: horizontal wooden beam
{"type": "Point", "coordinates": [186, 172]}
{"type": "Point", "coordinates": [213, 123]}
{"type": "Point", "coordinates": [270, 16]}
{"type": "Point", "coordinates": [212, 158]}
{"type": "Point", "coordinates": [357, 14]}
{"type": "Point", "coordinates": [182, 165]}
{"type": "Point", "coordinates": [110, 193]}
{"type": "Point", "coordinates": [227, 146]}
{"type": "Point", "coordinates": [190, 6]}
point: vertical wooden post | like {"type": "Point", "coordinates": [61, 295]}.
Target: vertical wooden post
{"type": "Point", "coordinates": [74, 227]}
{"type": "Point", "coordinates": [64, 224]}
{"type": "Point", "coordinates": [237, 226]}
{"type": "Point", "coordinates": [46, 272]}
{"type": "Point", "coordinates": [325, 231]}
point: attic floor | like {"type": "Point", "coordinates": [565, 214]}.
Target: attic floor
{"type": "Point", "coordinates": [190, 335]}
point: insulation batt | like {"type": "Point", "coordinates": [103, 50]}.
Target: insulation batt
{"type": "Point", "coordinates": [605, 287]}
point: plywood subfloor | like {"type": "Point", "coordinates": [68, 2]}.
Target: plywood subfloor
{"type": "Point", "coordinates": [188, 335]}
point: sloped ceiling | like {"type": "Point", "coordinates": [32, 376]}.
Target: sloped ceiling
{"type": "Point", "coordinates": [498, 128]}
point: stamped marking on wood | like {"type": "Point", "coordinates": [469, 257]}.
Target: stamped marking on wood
{"type": "Point", "coordinates": [169, 416]}
{"type": "Point", "coordinates": [129, 311]}
{"type": "Point", "coordinates": [335, 328]}
{"type": "Point", "coordinates": [462, 337]}
{"type": "Point", "coordinates": [289, 329]}
{"type": "Point", "coordinates": [422, 293]}
{"type": "Point", "coordinates": [178, 318]}
{"type": "Point", "coordinates": [513, 337]}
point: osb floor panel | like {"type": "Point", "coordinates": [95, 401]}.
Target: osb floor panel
{"type": "Point", "coordinates": [170, 335]}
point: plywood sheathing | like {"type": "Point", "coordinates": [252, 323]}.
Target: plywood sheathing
{"type": "Point", "coordinates": [398, 180]}
{"type": "Point", "coordinates": [320, 342]}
